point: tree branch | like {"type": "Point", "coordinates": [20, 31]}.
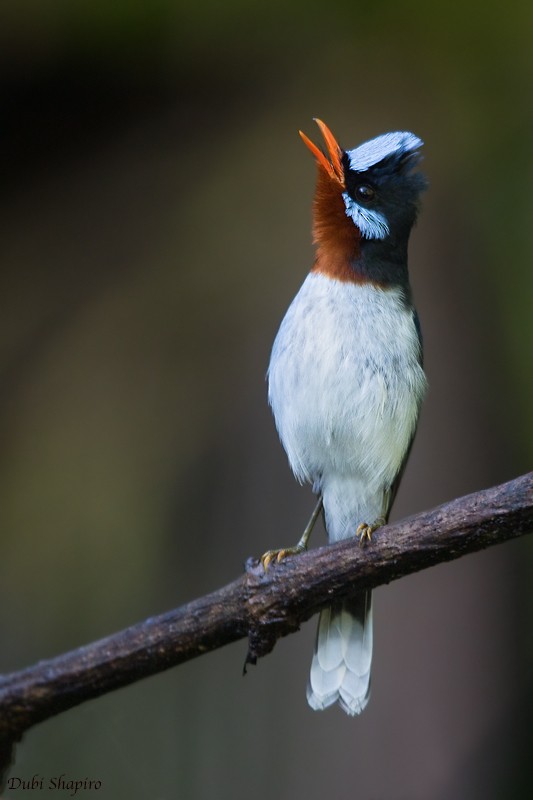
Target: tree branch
{"type": "Point", "coordinates": [262, 606]}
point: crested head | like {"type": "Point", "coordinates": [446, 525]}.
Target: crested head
{"type": "Point", "coordinates": [366, 203]}
{"type": "Point", "coordinates": [381, 190]}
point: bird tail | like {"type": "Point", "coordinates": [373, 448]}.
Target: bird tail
{"type": "Point", "coordinates": [340, 670]}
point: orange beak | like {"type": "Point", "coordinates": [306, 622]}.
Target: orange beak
{"type": "Point", "coordinates": [333, 166]}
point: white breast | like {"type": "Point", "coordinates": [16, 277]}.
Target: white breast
{"type": "Point", "coordinates": [345, 382]}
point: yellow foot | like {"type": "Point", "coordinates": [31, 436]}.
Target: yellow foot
{"type": "Point", "coordinates": [278, 555]}
{"type": "Point", "coordinates": [364, 531]}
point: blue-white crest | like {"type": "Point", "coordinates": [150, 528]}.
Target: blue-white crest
{"type": "Point", "coordinates": [388, 144]}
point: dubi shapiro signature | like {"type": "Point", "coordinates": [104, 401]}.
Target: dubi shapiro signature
{"type": "Point", "coordinates": [58, 783]}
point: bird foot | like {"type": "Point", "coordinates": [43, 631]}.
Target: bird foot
{"type": "Point", "coordinates": [278, 555]}
{"type": "Point", "coordinates": [364, 531]}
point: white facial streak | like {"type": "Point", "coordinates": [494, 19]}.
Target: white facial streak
{"type": "Point", "coordinates": [372, 224]}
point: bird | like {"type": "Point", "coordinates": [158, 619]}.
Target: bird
{"type": "Point", "coordinates": [346, 378]}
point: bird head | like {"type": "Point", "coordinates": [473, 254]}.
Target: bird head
{"type": "Point", "coordinates": [366, 203]}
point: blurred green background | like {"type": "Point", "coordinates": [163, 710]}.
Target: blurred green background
{"type": "Point", "coordinates": [155, 214]}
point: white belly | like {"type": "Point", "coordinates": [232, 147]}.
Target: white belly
{"type": "Point", "coordinates": [345, 384]}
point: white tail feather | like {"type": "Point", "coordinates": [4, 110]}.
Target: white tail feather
{"type": "Point", "coordinates": [331, 653]}
{"type": "Point", "coordinates": [340, 670]}
{"type": "Point", "coordinates": [358, 650]}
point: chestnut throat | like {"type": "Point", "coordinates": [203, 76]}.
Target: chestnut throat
{"type": "Point", "coordinates": [343, 254]}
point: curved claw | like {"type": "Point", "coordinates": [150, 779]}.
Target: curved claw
{"type": "Point", "coordinates": [364, 531]}
{"type": "Point", "coordinates": [278, 555]}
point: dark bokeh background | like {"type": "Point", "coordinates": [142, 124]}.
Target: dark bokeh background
{"type": "Point", "coordinates": [154, 225]}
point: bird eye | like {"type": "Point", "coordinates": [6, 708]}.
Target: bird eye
{"type": "Point", "coordinates": [365, 193]}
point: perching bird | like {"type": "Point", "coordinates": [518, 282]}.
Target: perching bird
{"type": "Point", "coordinates": [346, 380]}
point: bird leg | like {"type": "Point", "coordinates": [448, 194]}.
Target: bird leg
{"type": "Point", "coordinates": [279, 555]}
{"type": "Point", "coordinates": [364, 531]}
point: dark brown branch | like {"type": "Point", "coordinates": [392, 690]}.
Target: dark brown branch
{"type": "Point", "coordinates": [263, 606]}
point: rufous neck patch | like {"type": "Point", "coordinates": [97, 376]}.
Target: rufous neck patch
{"type": "Point", "coordinates": [337, 239]}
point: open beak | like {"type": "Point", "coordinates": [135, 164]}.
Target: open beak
{"type": "Point", "coordinates": [333, 165]}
